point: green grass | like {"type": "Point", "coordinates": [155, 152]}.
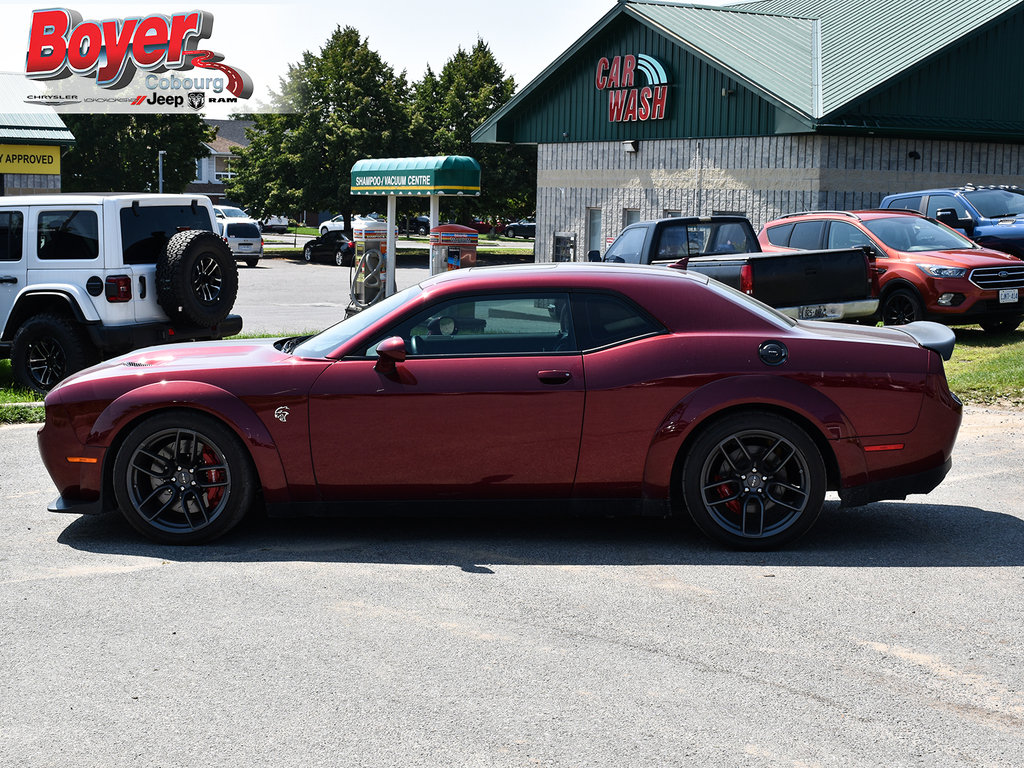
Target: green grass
{"type": "Point", "coordinates": [987, 368]}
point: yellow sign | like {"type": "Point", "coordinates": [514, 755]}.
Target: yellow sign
{"type": "Point", "coordinates": [25, 158]}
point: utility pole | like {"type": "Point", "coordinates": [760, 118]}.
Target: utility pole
{"type": "Point", "coordinates": [160, 170]}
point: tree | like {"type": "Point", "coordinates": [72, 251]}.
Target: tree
{"type": "Point", "coordinates": [118, 153]}
{"type": "Point", "coordinates": [471, 87]}
{"type": "Point", "coordinates": [349, 105]}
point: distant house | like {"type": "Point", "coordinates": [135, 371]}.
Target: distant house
{"type": "Point", "coordinates": [214, 169]}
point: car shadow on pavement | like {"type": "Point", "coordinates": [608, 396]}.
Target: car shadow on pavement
{"type": "Point", "coordinates": [877, 536]}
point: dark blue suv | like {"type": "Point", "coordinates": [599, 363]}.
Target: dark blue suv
{"type": "Point", "coordinates": [992, 217]}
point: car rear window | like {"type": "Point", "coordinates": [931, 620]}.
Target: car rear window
{"type": "Point", "coordinates": [780, 235]}
{"type": "Point", "coordinates": [145, 230]}
{"type": "Point", "coordinates": [243, 229]}
{"type": "Point", "coordinates": [68, 235]}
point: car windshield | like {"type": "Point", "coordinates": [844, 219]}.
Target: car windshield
{"type": "Point", "coordinates": [234, 213]}
{"type": "Point", "coordinates": [997, 203]}
{"type": "Point", "coordinates": [329, 340]}
{"type": "Point", "coordinates": [913, 233]}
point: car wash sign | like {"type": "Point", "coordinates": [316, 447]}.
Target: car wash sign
{"type": "Point", "coordinates": [628, 99]}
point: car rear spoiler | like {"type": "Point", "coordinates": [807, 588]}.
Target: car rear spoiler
{"type": "Point", "coordinates": [929, 335]}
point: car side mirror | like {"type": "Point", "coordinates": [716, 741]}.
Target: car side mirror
{"type": "Point", "coordinates": [949, 217]}
{"type": "Point", "coordinates": [390, 352]}
{"type": "Point", "coordinates": [593, 255]}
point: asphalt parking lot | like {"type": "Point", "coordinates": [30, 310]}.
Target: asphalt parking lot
{"type": "Point", "coordinates": [889, 635]}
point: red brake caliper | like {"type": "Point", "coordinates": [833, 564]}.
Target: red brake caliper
{"type": "Point", "coordinates": [213, 495]}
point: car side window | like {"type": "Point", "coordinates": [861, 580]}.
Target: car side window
{"type": "Point", "coordinates": [780, 235]}
{"type": "Point", "coordinates": [672, 243]}
{"type": "Point", "coordinates": [909, 203]}
{"type": "Point", "coordinates": [68, 235]}
{"type": "Point", "coordinates": [807, 235]}
{"type": "Point", "coordinates": [11, 228]}
{"type": "Point", "coordinates": [603, 320]}
{"type": "Point", "coordinates": [936, 202]}
{"type": "Point", "coordinates": [844, 235]}
{"type": "Point", "coordinates": [628, 247]}
{"type": "Point", "coordinates": [512, 324]}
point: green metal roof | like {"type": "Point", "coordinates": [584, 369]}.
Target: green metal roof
{"type": "Point", "coordinates": [820, 64]}
{"type": "Point", "coordinates": [819, 55]}
{"type": "Point", "coordinates": [445, 175]}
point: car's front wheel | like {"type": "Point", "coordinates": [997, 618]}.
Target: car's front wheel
{"type": "Point", "coordinates": [510, 233]}
{"type": "Point", "coordinates": [183, 479]}
{"type": "Point", "coordinates": [1000, 326]}
{"type": "Point", "coordinates": [754, 481]}
{"type": "Point", "coordinates": [901, 306]}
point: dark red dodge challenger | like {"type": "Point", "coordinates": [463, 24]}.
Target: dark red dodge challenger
{"type": "Point", "coordinates": [573, 383]}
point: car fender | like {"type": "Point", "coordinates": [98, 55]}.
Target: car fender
{"type": "Point", "coordinates": [78, 301]}
{"type": "Point", "coordinates": [825, 420]}
{"type": "Point", "coordinates": [214, 401]}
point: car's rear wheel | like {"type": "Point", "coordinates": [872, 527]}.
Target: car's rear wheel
{"type": "Point", "coordinates": [901, 306]}
{"type": "Point", "coordinates": [1000, 326]}
{"type": "Point", "coordinates": [197, 278]}
{"type": "Point", "coordinates": [307, 252]}
{"type": "Point", "coordinates": [510, 232]}
{"type": "Point", "coordinates": [46, 349]}
{"type": "Point", "coordinates": [421, 229]}
{"type": "Point", "coordinates": [754, 481]}
{"type": "Point", "coordinates": [339, 258]}
{"type": "Point", "coordinates": [323, 230]}
{"type": "Point", "coordinates": [183, 479]}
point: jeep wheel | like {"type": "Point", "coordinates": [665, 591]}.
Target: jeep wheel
{"type": "Point", "coordinates": [197, 278]}
{"type": "Point", "coordinates": [47, 349]}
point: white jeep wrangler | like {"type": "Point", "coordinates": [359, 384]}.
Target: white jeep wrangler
{"type": "Point", "coordinates": [84, 277]}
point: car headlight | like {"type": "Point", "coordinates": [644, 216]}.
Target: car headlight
{"type": "Point", "coordinates": [936, 270]}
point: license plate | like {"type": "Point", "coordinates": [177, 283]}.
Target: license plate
{"type": "Point", "coordinates": [245, 246]}
{"type": "Point", "coordinates": [817, 312]}
{"type": "Point", "coordinates": [1008, 296]}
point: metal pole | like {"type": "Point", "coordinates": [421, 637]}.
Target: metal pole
{"type": "Point", "coordinates": [160, 170]}
{"type": "Point", "coordinates": [392, 258]}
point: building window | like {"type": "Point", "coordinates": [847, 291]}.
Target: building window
{"type": "Point", "coordinates": [630, 216]}
{"type": "Point", "coordinates": [224, 168]}
{"type": "Point", "coordinates": [199, 170]}
{"type": "Point", "coordinates": [594, 242]}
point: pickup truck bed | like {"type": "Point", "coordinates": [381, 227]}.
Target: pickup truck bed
{"type": "Point", "coordinates": [810, 285]}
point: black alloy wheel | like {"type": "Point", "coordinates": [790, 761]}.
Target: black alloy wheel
{"type": "Point", "coordinates": [47, 349]}
{"type": "Point", "coordinates": [183, 479]}
{"type": "Point", "coordinates": [900, 307]}
{"type": "Point", "coordinates": [754, 481]}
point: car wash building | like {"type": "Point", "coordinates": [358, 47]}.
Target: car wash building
{"type": "Point", "coordinates": [766, 108]}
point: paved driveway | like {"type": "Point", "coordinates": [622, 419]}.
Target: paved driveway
{"type": "Point", "coordinates": [889, 636]}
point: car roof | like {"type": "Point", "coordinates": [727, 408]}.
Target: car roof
{"type": "Point", "coordinates": [865, 215]}
{"type": "Point", "coordinates": [520, 276]}
{"type": "Point", "coordinates": [964, 188]}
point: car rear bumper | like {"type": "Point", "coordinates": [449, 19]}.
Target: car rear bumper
{"type": "Point", "coordinates": [127, 337]}
{"type": "Point", "coordinates": [847, 310]}
{"type": "Point", "coordinates": [895, 487]}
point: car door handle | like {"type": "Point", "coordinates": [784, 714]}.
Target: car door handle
{"type": "Point", "coordinates": [8, 279]}
{"type": "Point", "coordinates": [554, 377]}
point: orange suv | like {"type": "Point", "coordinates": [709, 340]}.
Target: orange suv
{"type": "Point", "coordinates": [926, 270]}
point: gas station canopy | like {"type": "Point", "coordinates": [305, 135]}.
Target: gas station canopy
{"type": "Point", "coordinates": [445, 175]}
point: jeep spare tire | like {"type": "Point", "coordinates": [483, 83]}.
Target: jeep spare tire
{"type": "Point", "coordinates": [196, 278]}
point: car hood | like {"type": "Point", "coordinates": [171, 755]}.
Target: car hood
{"type": "Point", "coordinates": [208, 360]}
{"type": "Point", "coordinates": [971, 259]}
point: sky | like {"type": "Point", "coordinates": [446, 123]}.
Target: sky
{"type": "Point", "coordinates": [262, 39]}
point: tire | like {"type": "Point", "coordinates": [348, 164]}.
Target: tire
{"type": "Point", "coordinates": [178, 484]}
{"type": "Point", "coordinates": [46, 349]}
{"type": "Point", "coordinates": [252, 262]}
{"type": "Point", "coordinates": [197, 278]}
{"type": "Point", "coordinates": [307, 252]}
{"type": "Point", "coordinates": [323, 230]}
{"type": "Point", "coordinates": [339, 258]}
{"type": "Point", "coordinates": [421, 229]}
{"type": "Point", "coordinates": [900, 307]}
{"type": "Point", "coordinates": [1000, 326]}
{"type": "Point", "coordinates": [754, 481]}
{"type": "Point", "coordinates": [510, 233]}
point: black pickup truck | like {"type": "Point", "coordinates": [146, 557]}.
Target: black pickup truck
{"type": "Point", "coordinates": [836, 284]}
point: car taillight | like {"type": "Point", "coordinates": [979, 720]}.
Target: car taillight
{"type": "Point", "coordinates": [118, 288]}
{"type": "Point", "coordinates": [747, 279]}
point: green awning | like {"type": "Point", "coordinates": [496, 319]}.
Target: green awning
{"type": "Point", "coordinates": [448, 175]}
